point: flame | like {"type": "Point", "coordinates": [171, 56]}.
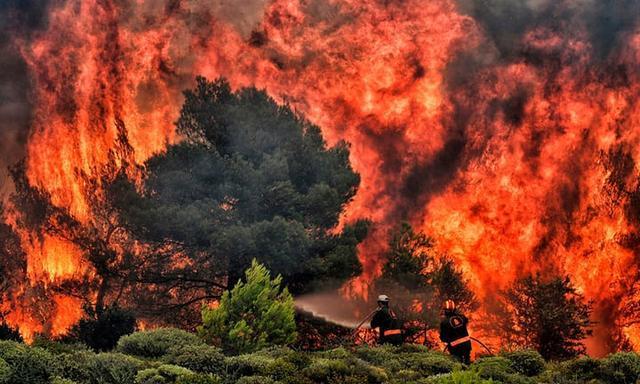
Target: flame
{"type": "Point", "coordinates": [505, 171]}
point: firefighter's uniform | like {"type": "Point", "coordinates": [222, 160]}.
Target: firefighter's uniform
{"type": "Point", "coordinates": [453, 332]}
{"type": "Point", "coordinates": [390, 329]}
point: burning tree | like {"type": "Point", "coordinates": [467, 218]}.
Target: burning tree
{"type": "Point", "coordinates": [547, 315]}
{"type": "Point", "coordinates": [252, 180]}
{"type": "Point", "coordinates": [116, 267]}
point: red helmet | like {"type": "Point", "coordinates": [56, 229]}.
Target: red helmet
{"type": "Point", "coordinates": [449, 305]}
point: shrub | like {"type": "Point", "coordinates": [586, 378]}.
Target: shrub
{"type": "Point", "coordinates": [149, 376]}
{"type": "Point", "coordinates": [580, 370]}
{"type": "Point", "coordinates": [622, 368]}
{"type": "Point", "coordinates": [255, 380]}
{"type": "Point", "coordinates": [348, 370]}
{"type": "Point", "coordinates": [103, 368]}
{"type": "Point", "coordinates": [157, 342]}
{"type": "Point", "coordinates": [458, 377]}
{"type": "Point", "coordinates": [198, 358]}
{"type": "Point", "coordinates": [57, 347]}
{"type": "Point", "coordinates": [198, 379]}
{"type": "Point", "coordinates": [102, 331]}
{"type": "Point", "coordinates": [28, 365]}
{"type": "Point", "coordinates": [170, 374]}
{"type": "Point", "coordinates": [60, 380]}
{"type": "Point", "coordinates": [496, 368]}
{"type": "Point", "coordinates": [5, 372]}
{"type": "Point", "coordinates": [9, 333]}
{"type": "Point", "coordinates": [527, 362]}
{"type": "Point", "coordinates": [427, 364]}
{"type": "Point", "coordinates": [255, 314]}
{"type": "Point", "coordinates": [249, 365]}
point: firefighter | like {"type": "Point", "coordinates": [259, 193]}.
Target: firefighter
{"type": "Point", "coordinates": [453, 332]}
{"type": "Point", "coordinates": [390, 331]}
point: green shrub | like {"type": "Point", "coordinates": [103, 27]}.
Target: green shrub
{"type": "Point", "coordinates": [28, 365]}
{"type": "Point", "coordinates": [579, 370]}
{"type": "Point", "coordinates": [249, 365]}
{"type": "Point", "coordinates": [103, 368]}
{"type": "Point", "coordinates": [198, 378]}
{"type": "Point", "coordinates": [527, 362]}
{"type": "Point", "coordinates": [348, 370]}
{"type": "Point", "coordinates": [431, 363]}
{"type": "Point", "coordinates": [150, 376]}
{"type": "Point", "coordinates": [173, 374]}
{"type": "Point", "coordinates": [198, 358]}
{"type": "Point", "coordinates": [620, 368]}
{"type": "Point", "coordinates": [256, 314]}
{"type": "Point", "coordinates": [499, 369]}
{"type": "Point", "coordinates": [60, 380]}
{"type": "Point", "coordinates": [5, 372]}
{"type": "Point", "coordinates": [256, 380]}
{"type": "Point", "coordinates": [114, 368]}
{"type": "Point", "coordinates": [58, 347]}
{"type": "Point", "coordinates": [458, 377]}
{"type": "Point", "coordinates": [157, 342]}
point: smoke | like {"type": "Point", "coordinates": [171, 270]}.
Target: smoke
{"type": "Point", "coordinates": [18, 20]}
{"type": "Point", "coordinates": [333, 307]}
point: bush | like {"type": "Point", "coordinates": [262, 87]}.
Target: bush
{"type": "Point", "coordinates": [527, 362]}
{"type": "Point", "coordinates": [427, 364]}
{"type": "Point", "coordinates": [198, 358]}
{"type": "Point", "coordinates": [249, 365]}
{"type": "Point", "coordinates": [620, 368]}
{"type": "Point", "coordinates": [5, 372]}
{"type": "Point", "coordinates": [254, 315]}
{"type": "Point", "coordinates": [103, 368]}
{"type": "Point", "coordinates": [56, 347]}
{"type": "Point", "coordinates": [580, 370]}
{"type": "Point", "coordinates": [458, 377]}
{"type": "Point", "coordinates": [157, 342]}
{"type": "Point", "coordinates": [496, 368]}
{"type": "Point", "coordinates": [28, 365]}
{"type": "Point", "coordinates": [348, 370]}
{"type": "Point", "coordinates": [255, 380]}
{"type": "Point", "coordinates": [103, 330]}
{"type": "Point", "coordinates": [170, 374]}
{"type": "Point", "coordinates": [60, 380]}
{"type": "Point", "coordinates": [9, 333]}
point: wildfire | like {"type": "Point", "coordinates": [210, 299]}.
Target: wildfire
{"type": "Point", "coordinates": [502, 161]}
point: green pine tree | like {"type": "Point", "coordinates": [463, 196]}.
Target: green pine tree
{"type": "Point", "coordinates": [256, 314]}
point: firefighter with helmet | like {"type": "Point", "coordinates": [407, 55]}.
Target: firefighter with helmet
{"type": "Point", "coordinates": [387, 322]}
{"type": "Point", "coordinates": [453, 332]}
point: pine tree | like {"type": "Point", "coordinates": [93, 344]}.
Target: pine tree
{"type": "Point", "coordinates": [549, 316]}
{"type": "Point", "coordinates": [256, 313]}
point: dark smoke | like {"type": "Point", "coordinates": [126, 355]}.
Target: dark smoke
{"type": "Point", "coordinates": [18, 21]}
{"type": "Point", "coordinates": [506, 21]}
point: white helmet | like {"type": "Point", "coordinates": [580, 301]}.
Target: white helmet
{"type": "Point", "coordinates": [383, 299]}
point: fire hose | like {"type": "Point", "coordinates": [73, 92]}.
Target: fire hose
{"type": "Point", "coordinates": [446, 347]}
{"type": "Point", "coordinates": [357, 328]}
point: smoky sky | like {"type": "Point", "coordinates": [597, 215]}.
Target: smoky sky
{"type": "Point", "coordinates": [18, 20]}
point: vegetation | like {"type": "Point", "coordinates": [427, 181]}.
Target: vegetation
{"type": "Point", "coordinates": [192, 362]}
{"type": "Point", "coordinates": [252, 180]}
{"type": "Point", "coordinates": [255, 314]}
{"type": "Point", "coordinates": [101, 331]}
{"type": "Point", "coordinates": [547, 315]}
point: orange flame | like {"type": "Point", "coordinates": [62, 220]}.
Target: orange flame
{"type": "Point", "coordinates": [505, 193]}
